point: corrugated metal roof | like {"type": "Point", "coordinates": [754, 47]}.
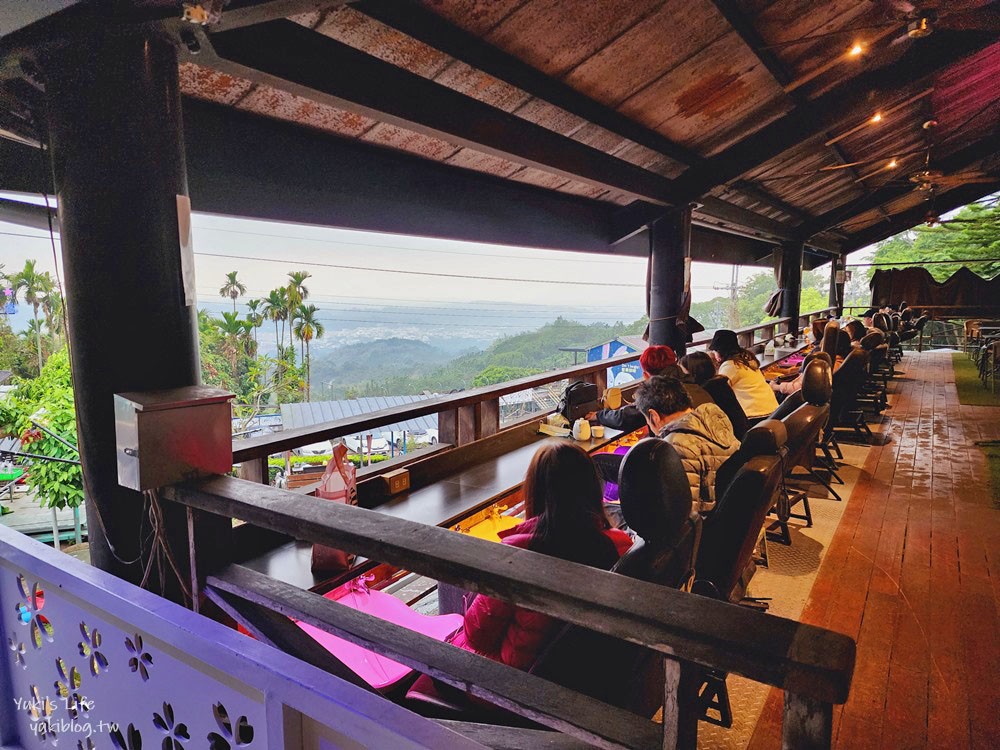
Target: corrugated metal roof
{"type": "Point", "coordinates": [317, 412]}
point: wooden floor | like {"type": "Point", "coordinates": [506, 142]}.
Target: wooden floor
{"type": "Point", "coordinates": [913, 574]}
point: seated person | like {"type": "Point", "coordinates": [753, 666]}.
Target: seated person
{"type": "Point", "coordinates": [702, 436]}
{"type": "Point", "coordinates": [655, 360]}
{"type": "Point", "coordinates": [698, 366]}
{"type": "Point", "coordinates": [564, 507]}
{"type": "Point", "coordinates": [745, 377]}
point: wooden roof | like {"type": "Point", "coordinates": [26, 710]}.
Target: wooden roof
{"type": "Point", "coordinates": [640, 102]}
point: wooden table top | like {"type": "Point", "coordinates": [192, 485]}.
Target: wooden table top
{"type": "Point", "coordinates": [442, 503]}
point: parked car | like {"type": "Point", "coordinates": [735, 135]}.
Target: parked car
{"type": "Point", "coordinates": [425, 437]}
{"type": "Point", "coordinates": [379, 445]}
{"type": "Point", "coordinates": [324, 448]}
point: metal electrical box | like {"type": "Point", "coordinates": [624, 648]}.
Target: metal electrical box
{"type": "Point", "coordinates": [164, 437]}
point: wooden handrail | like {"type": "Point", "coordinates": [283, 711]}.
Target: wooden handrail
{"type": "Point", "coordinates": [262, 446]}
{"type": "Point", "coordinates": [802, 659]}
{"type": "Point", "coordinates": [265, 445]}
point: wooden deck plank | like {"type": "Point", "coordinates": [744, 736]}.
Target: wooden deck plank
{"type": "Point", "coordinates": [913, 572]}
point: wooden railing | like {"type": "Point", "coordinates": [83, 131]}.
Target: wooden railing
{"type": "Point", "coordinates": [469, 415]}
{"type": "Point", "coordinates": [812, 665]}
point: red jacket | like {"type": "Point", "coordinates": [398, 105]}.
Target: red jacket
{"type": "Point", "coordinates": [506, 632]}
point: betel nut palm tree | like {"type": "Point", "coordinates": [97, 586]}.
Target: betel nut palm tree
{"type": "Point", "coordinates": [233, 288]}
{"type": "Point", "coordinates": [297, 294]}
{"type": "Point", "coordinates": [307, 328]}
{"type": "Point", "coordinates": [255, 316]}
{"type": "Point", "coordinates": [276, 309]}
{"type": "Point", "coordinates": [35, 285]}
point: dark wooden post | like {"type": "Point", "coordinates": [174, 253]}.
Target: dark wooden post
{"type": "Point", "coordinates": [669, 246]}
{"type": "Point", "coordinates": [117, 156]}
{"type": "Point", "coordinates": [791, 282]}
{"type": "Point", "coordinates": [837, 285]}
{"type": "Point", "coordinates": [807, 723]}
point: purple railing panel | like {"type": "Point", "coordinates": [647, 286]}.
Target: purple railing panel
{"type": "Point", "coordinates": [93, 662]}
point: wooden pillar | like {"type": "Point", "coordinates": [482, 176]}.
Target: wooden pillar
{"type": "Point", "coordinates": [790, 282]}
{"type": "Point", "coordinates": [837, 279]}
{"type": "Point", "coordinates": [117, 155]}
{"type": "Point", "coordinates": [669, 246]}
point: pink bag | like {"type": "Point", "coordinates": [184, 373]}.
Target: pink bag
{"type": "Point", "coordinates": [339, 485]}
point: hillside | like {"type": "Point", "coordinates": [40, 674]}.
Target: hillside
{"type": "Point", "coordinates": [350, 364]}
{"type": "Point", "coordinates": [534, 351]}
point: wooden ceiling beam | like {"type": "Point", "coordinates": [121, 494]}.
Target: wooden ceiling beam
{"type": "Point", "coordinates": [412, 19]}
{"type": "Point", "coordinates": [959, 160]}
{"type": "Point", "coordinates": [240, 13]}
{"type": "Point", "coordinates": [910, 218]}
{"type": "Point", "coordinates": [291, 58]}
{"type": "Point", "coordinates": [844, 102]}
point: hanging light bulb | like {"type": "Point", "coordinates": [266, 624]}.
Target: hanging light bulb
{"type": "Point", "coordinates": [892, 164]}
{"type": "Point", "coordinates": [856, 50]}
{"type": "Point", "coordinates": [876, 118]}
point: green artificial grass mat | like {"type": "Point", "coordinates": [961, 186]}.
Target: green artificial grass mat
{"type": "Point", "coordinates": [970, 388]}
{"type": "Point", "coordinates": [992, 450]}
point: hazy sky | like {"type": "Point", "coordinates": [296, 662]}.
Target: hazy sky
{"type": "Point", "coordinates": [350, 269]}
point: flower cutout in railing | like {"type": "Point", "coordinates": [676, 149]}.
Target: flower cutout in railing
{"type": "Point", "coordinates": [177, 733]}
{"type": "Point", "coordinates": [77, 705]}
{"type": "Point", "coordinates": [16, 645]}
{"type": "Point", "coordinates": [69, 679]}
{"type": "Point", "coordinates": [29, 612]}
{"type": "Point", "coordinates": [131, 739]}
{"type": "Point", "coordinates": [141, 660]}
{"type": "Point", "coordinates": [230, 735]}
{"type": "Point", "coordinates": [90, 649]}
{"type": "Point", "coordinates": [40, 710]}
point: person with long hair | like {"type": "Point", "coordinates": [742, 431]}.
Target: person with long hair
{"type": "Point", "coordinates": [743, 370]}
{"type": "Point", "coordinates": [698, 366]}
{"type": "Point", "coordinates": [564, 508]}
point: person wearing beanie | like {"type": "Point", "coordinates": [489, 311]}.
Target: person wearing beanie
{"type": "Point", "coordinates": [745, 377]}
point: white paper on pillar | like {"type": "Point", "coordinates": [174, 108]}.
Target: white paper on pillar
{"type": "Point", "coordinates": [187, 249]}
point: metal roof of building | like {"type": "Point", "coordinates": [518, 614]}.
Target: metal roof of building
{"type": "Point", "coordinates": [317, 412]}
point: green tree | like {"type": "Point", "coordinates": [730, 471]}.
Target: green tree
{"type": "Point", "coordinates": [233, 332]}
{"type": "Point", "coordinates": [233, 288]}
{"type": "Point", "coordinates": [975, 235]}
{"type": "Point", "coordinates": [297, 293]}
{"type": "Point", "coordinates": [307, 328]}
{"type": "Point", "coordinates": [276, 309]}
{"type": "Point", "coordinates": [34, 286]}
{"type": "Point", "coordinates": [500, 374]}
{"type": "Point", "coordinates": [48, 400]}
{"type": "Point", "coordinates": [255, 316]}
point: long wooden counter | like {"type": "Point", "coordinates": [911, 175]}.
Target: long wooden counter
{"type": "Point", "coordinates": [444, 502]}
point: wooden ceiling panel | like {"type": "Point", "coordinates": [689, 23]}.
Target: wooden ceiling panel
{"type": "Point", "coordinates": [790, 20]}
{"type": "Point", "coordinates": [719, 94]}
{"type": "Point", "coordinates": [640, 55]}
{"type": "Point", "coordinates": [601, 139]}
{"type": "Point", "coordinates": [477, 17]}
{"type": "Point", "coordinates": [368, 35]}
{"type": "Point", "coordinates": [966, 99]}
{"type": "Point", "coordinates": [549, 36]}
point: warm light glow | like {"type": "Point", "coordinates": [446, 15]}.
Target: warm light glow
{"type": "Point", "coordinates": [856, 50]}
{"type": "Point", "coordinates": [892, 165]}
{"type": "Point", "coordinates": [877, 117]}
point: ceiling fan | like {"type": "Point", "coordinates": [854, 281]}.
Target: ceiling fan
{"type": "Point", "coordinates": [917, 19]}
{"type": "Point", "coordinates": [904, 21]}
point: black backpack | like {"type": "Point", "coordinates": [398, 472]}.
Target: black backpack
{"type": "Point", "coordinates": [579, 399]}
